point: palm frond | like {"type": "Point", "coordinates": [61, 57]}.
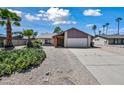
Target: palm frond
{"type": "Point", "coordinates": [15, 17]}
{"type": "Point", "coordinates": [107, 24]}
{"type": "Point", "coordinates": [16, 23]}
{"type": "Point", "coordinates": [94, 27]}
{"type": "Point", "coordinates": [28, 32]}
{"type": "Point", "coordinates": [2, 23]}
{"type": "Point", "coordinates": [118, 19]}
{"type": "Point", "coordinates": [35, 33]}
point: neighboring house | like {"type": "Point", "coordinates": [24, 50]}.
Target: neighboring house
{"type": "Point", "coordinates": [46, 38]}
{"type": "Point", "coordinates": [109, 40]}
{"type": "Point", "coordinates": [17, 40]}
{"type": "Point", "coordinates": [73, 38]}
{"type": "Point", "coordinates": [100, 41]}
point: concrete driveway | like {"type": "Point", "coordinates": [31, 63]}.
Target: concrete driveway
{"type": "Point", "coordinates": [105, 64]}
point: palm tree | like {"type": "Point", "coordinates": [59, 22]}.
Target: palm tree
{"type": "Point", "coordinates": [107, 24]}
{"type": "Point", "coordinates": [99, 32]}
{"type": "Point", "coordinates": [8, 19]}
{"type": "Point", "coordinates": [28, 33]}
{"type": "Point", "coordinates": [103, 28]}
{"type": "Point", "coordinates": [35, 34]}
{"type": "Point", "coordinates": [118, 19]}
{"type": "Point", "coordinates": [94, 27]}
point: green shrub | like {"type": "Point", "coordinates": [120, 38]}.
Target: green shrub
{"type": "Point", "coordinates": [37, 44]}
{"type": "Point", "coordinates": [20, 60]}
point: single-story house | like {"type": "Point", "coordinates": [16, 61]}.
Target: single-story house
{"type": "Point", "coordinates": [73, 38]}
{"type": "Point", "coordinates": [100, 41]}
{"type": "Point", "coordinates": [109, 40]}
{"type": "Point", "coordinates": [46, 38]}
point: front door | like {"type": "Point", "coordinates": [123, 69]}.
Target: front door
{"type": "Point", "coordinates": [60, 42]}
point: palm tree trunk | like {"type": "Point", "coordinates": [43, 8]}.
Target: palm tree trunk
{"type": "Point", "coordinates": [103, 30]}
{"type": "Point", "coordinates": [106, 30]}
{"type": "Point", "coordinates": [99, 33]}
{"type": "Point", "coordinates": [118, 28]}
{"type": "Point", "coordinates": [94, 32]}
{"type": "Point", "coordinates": [9, 35]}
{"type": "Point", "coordinates": [29, 43]}
{"type": "Point", "coordinates": [28, 38]}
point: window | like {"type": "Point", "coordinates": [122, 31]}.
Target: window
{"type": "Point", "coordinates": [116, 41]}
{"type": "Point", "coordinates": [122, 41]}
{"type": "Point", "coordinates": [47, 41]}
{"type": "Point", "coordinates": [111, 41]}
{"type": "Point", "coordinates": [97, 39]}
{"type": "Point", "coordinates": [119, 41]}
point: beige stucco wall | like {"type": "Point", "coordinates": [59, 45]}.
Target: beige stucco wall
{"type": "Point", "coordinates": [17, 42]}
{"type": "Point", "coordinates": [89, 41]}
{"type": "Point", "coordinates": [65, 39]}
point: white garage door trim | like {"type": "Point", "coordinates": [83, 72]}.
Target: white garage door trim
{"type": "Point", "coordinates": [77, 42]}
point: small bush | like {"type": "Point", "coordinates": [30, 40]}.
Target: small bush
{"type": "Point", "coordinates": [20, 60]}
{"type": "Point", "coordinates": [37, 44]}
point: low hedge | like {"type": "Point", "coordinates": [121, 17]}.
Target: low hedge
{"type": "Point", "coordinates": [20, 60]}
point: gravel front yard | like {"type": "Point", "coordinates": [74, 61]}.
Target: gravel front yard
{"type": "Point", "coordinates": [60, 67]}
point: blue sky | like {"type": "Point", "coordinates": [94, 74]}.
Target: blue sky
{"type": "Point", "coordinates": [45, 19]}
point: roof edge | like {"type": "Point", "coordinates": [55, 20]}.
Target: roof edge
{"type": "Point", "coordinates": [70, 29]}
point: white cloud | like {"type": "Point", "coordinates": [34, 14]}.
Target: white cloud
{"type": "Point", "coordinates": [74, 22]}
{"type": "Point", "coordinates": [64, 22]}
{"type": "Point", "coordinates": [89, 25]}
{"type": "Point", "coordinates": [41, 11]}
{"type": "Point", "coordinates": [39, 15]}
{"type": "Point", "coordinates": [56, 15]}
{"type": "Point", "coordinates": [45, 19]}
{"type": "Point", "coordinates": [122, 29]}
{"type": "Point", "coordinates": [115, 30]}
{"type": "Point", "coordinates": [19, 13]}
{"type": "Point", "coordinates": [91, 12]}
{"type": "Point", "coordinates": [30, 17]}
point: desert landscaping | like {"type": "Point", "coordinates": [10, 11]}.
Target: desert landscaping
{"type": "Point", "coordinates": [73, 66]}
